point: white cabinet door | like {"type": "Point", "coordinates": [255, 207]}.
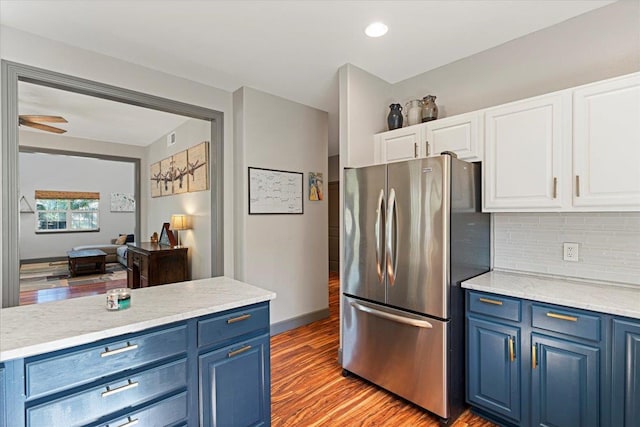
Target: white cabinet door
{"type": "Point", "coordinates": [402, 144]}
{"type": "Point", "coordinates": [606, 145]}
{"type": "Point", "coordinates": [523, 154]}
{"type": "Point", "coordinates": [461, 134]}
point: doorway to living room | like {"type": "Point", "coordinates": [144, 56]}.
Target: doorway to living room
{"type": "Point", "coordinates": [206, 207]}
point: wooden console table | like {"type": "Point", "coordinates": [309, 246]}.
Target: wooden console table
{"type": "Point", "coordinates": [150, 264]}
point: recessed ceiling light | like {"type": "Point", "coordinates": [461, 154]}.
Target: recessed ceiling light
{"type": "Point", "coordinates": [376, 29]}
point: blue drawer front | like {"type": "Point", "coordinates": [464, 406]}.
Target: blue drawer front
{"type": "Point", "coordinates": [495, 305]}
{"type": "Point", "coordinates": [566, 321]}
{"type": "Point", "coordinates": [67, 370]}
{"type": "Point", "coordinates": [167, 412]}
{"type": "Point", "coordinates": [90, 405]}
{"type": "Point", "coordinates": [233, 324]}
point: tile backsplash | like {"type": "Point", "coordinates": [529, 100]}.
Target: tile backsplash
{"type": "Point", "coordinates": [609, 244]}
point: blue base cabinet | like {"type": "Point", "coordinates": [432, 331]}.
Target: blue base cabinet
{"type": "Point", "coordinates": [536, 364]}
{"type": "Point", "coordinates": [209, 371]}
{"type": "Point", "coordinates": [625, 396]}
{"type": "Point", "coordinates": [564, 383]}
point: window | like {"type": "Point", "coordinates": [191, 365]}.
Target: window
{"type": "Point", "coordinates": [59, 211]}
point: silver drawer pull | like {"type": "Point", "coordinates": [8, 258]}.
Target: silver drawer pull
{"type": "Point", "coordinates": [239, 351]}
{"type": "Point", "coordinates": [108, 352]}
{"type": "Point", "coordinates": [562, 317]}
{"type": "Point", "coordinates": [111, 391]}
{"type": "Point", "coordinates": [238, 319]}
{"type": "Point", "coordinates": [490, 301]}
{"type": "Point", "coordinates": [131, 422]}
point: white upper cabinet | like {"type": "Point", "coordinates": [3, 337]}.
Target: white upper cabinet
{"type": "Point", "coordinates": [606, 144]}
{"type": "Point", "coordinates": [401, 144]}
{"type": "Point", "coordinates": [461, 134]}
{"type": "Point", "coordinates": [523, 154]}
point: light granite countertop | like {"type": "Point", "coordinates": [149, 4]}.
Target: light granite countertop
{"type": "Point", "coordinates": [40, 328]}
{"type": "Point", "coordinates": [612, 298]}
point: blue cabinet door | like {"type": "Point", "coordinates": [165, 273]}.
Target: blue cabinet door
{"type": "Point", "coordinates": [625, 396]}
{"type": "Point", "coordinates": [3, 398]}
{"type": "Point", "coordinates": [235, 385]}
{"type": "Point", "coordinates": [493, 377]}
{"type": "Point", "coordinates": [565, 387]}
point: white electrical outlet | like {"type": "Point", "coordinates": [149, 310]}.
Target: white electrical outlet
{"type": "Point", "coordinates": [570, 252]}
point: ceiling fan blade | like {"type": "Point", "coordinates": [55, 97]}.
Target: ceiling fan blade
{"type": "Point", "coordinates": [48, 119]}
{"type": "Point", "coordinates": [41, 126]}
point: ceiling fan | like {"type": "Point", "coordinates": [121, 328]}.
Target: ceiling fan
{"type": "Point", "coordinates": [35, 122]}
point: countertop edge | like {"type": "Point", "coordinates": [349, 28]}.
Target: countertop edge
{"type": "Point", "coordinates": [544, 289]}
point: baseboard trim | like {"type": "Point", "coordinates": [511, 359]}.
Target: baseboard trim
{"type": "Point", "coordinates": [39, 260]}
{"type": "Point", "coordinates": [305, 319]}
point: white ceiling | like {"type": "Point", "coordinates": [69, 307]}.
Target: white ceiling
{"type": "Point", "coordinates": [288, 48]}
{"type": "Point", "coordinates": [95, 118]}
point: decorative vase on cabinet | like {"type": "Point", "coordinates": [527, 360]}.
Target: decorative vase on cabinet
{"type": "Point", "coordinates": [429, 108]}
{"type": "Point", "coordinates": [414, 112]}
{"type": "Point", "coordinates": [394, 119]}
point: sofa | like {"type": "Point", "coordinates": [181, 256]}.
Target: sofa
{"type": "Point", "coordinates": [115, 252]}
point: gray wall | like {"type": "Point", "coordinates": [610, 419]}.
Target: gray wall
{"type": "Point", "coordinates": [285, 253]}
{"type": "Point", "coordinates": [196, 204]}
{"type": "Point", "coordinates": [334, 169]}
{"type": "Point", "coordinates": [40, 171]}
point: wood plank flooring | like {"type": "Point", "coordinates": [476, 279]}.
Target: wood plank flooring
{"type": "Point", "coordinates": [67, 292]}
{"type": "Point", "coordinates": [308, 389]}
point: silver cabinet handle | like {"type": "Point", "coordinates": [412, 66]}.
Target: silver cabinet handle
{"type": "Point", "coordinates": [391, 237]}
{"type": "Point", "coordinates": [239, 351]}
{"type": "Point", "coordinates": [390, 316]}
{"type": "Point", "coordinates": [110, 391]}
{"type": "Point", "coordinates": [379, 235]}
{"type": "Point", "coordinates": [128, 347]}
{"type": "Point", "coordinates": [130, 422]}
{"type": "Point", "coordinates": [415, 150]}
{"type": "Point", "coordinates": [238, 319]}
{"type": "Point", "coordinates": [555, 187]}
{"type": "Point", "coordinates": [427, 145]}
{"type": "Point", "coordinates": [577, 185]}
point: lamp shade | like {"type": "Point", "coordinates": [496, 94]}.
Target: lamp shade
{"type": "Point", "coordinates": [180, 222]}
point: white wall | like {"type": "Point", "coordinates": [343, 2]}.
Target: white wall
{"type": "Point", "coordinates": [25, 48]}
{"type": "Point", "coordinates": [609, 244]}
{"type": "Point", "coordinates": [285, 253]}
{"type": "Point", "coordinates": [40, 171]}
{"type": "Point", "coordinates": [594, 46]}
{"type": "Point", "coordinates": [196, 204]}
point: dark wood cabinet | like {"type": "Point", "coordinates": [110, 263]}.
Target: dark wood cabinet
{"type": "Point", "coordinates": [150, 264]}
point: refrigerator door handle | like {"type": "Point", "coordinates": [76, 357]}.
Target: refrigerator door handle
{"type": "Point", "coordinates": [391, 237]}
{"type": "Point", "coordinates": [379, 234]}
{"type": "Point", "coordinates": [393, 317]}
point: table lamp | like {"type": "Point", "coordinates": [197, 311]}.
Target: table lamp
{"type": "Point", "coordinates": [180, 222]}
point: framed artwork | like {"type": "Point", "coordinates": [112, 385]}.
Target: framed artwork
{"type": "Point", "coordinates": [122, 202]}
{"type": "Point", "coordinates": [197, 167]}
{"type": "Point", "coordinates": [315, 186]}
{"type": "Point", "coordinates": [180, 174]}
{"type": "Point", "coordinates": [156, 180]}
{"type": "Point", "coordinates": [166, 172]}
{"type": "Point", "coordinates": [166, 236]}
{"type": "Point", "coordinates": [275, 192]}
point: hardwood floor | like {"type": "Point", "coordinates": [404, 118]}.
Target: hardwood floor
{"type": "Point", "coordinates": [67, 292]}
{"type": "Point", "coordinates": [308, 389]}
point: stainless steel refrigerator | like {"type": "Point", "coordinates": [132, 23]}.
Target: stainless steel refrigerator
{"type": "Point", "coordinates": [412, 232]}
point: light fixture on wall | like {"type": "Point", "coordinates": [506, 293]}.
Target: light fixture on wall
{"type": "Point", "coordinates": [180, 222]}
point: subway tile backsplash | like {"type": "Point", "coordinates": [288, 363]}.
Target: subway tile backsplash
{"type": "Point", "coordinates": [532, 242]}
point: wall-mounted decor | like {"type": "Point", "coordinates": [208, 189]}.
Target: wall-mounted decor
{"type": "Point", "coordinates": [166, 171]}
{"type": "Point", "coordinates": [275, 192]}
{"type": "Point", "coordinates": [180, 174]}
{"type": "Point", "coordinates": [198, 158]}
{"type": "Point", "coordinates": [166, 236]}
{"type": "Point", "coordinates": [315, 186]}
{"type": "Point", "coordinates": [122, 202]}
{"type": "Point", "coordinates": [186, 171]}
{"type": "Point", "coordinates": [156, 180]}
{"type": "Point", "coordinates": [25, 206]}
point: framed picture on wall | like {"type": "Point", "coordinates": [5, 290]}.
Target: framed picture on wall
{"type": "Point", "coordinates": [166, 236]}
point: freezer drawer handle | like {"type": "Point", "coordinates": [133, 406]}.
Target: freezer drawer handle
{"type": "Point", "coordinates": [393, 317]}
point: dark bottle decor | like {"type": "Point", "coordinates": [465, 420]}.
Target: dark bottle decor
{"type": "Point", "coordinates": [429, 108]}
{"type": "Point", "coordinates": [394, 119]}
